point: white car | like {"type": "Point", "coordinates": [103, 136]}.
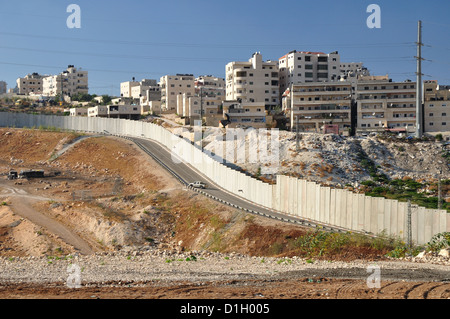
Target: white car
{"type": "Point", "coordinates": [198, 185]}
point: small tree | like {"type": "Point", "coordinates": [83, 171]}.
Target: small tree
{"type": "Point", "coordinates": [106, 99]}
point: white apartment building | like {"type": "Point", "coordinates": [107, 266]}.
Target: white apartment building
{"type": "Point", "coordinates": [384, 104]}
{"type": "Point", "coordinates": [140, 90]}
{"type": "Point", "coordinates": [172, 86]}
{"type": "Point", "coordinates": [311, 106]}
{"type": "Point", "coordinates": [151, 94]}
{"type": "Point", "coordinates": [436, 107]}
{"type": "Point", "coordinates": [301, 67]}
{"type": "Point", "coordinates": [211, 89]}
{"type": "Point", "coordinates": [245, 114]}
{"type": "Point", "coordinates": [253, 81]}
{"type": "Point", "coordinates": [30, 84]}
{"type": "Point", "coordinates": [3, 87]}
{"type": "Point", "coordinates": [191, 107]}
{"type": "Point", "coordinates": [125, 88]}
{"type": "Point", "coordinates": [353, 69]}
{"type": "Point", "coordinates": [68, 83]}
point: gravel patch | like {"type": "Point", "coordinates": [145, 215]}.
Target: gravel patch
{"type": "Point", "coordinates": [136, 267]}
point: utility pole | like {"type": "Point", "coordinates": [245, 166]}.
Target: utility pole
{"type": "Point", "coordinates": [409, 225]}
{"type": "Point", "coordinates": [439, 190]}
{"type": "Point", "coordinates": [201, 106]}
{"type": "Point", "coordinates": [297, 133]}
{"type": "Point", "coordinates": [419, 113]}
{"type": "Point", "coordinates": [201, 116]}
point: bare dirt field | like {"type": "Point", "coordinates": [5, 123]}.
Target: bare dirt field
{"type": "Point", "coordinates": [103, 195]}
{"type": "Point", "coordinates": [301, 288]}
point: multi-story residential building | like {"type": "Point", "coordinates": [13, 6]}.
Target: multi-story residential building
{"type": "Point", "coordinates": [253, 81]}
{"type": "Point", "coordinates": [151, 94]}
{"type": "Point", "coordinates": [3, 87]}
{"type": "Point", "coordinates": [140, 90]}
{"type": "Point", "coordinates": [211, 89]}
{"type": "Point", "coordinates": [30, 84]}
{"type": "Point", "coordinates": [210, 85]}
{"type": "Point", "coordinates": [208, 98]}
{"type": "Point", "coordinates": [353, 69]}
{"type": "Point", "coordinates": [301, 67]}
{"type": "Point", "coordinates": [68, 83]}
{"type": "Point", "coordinates": [125, 88]}
{"type": "Point", "coordinates": [245, 114]}
{"type": "Point", "coordinates": [383, 104]}
{"type": "Point", "coordinates": [311, 106]}
{"type": "Point", "coordinates": [191, 107]}
{"type": "Point", "coordinates": [172, 86]}
{"type": "Point", "coordinates": [436, 107]}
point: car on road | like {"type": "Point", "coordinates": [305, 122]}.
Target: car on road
{"type": "Point", "coordinates": [198, 185]}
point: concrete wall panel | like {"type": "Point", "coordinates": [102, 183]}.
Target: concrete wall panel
{"type": "Point", "coordinates": [380, 214]}
{"type": "Point", "coordinates": [333, 206]}
{"type": "Point", "coordinates": [420, 225]}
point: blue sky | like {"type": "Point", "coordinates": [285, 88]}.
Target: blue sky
{"type": "Point", "coordinates": [119, 40]}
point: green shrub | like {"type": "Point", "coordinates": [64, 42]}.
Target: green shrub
{"type": "Point", "coordinates": [439, 241]}
{"type": "Point", "coordinates": [368, 183]}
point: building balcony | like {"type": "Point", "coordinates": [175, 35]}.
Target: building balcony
{"type": "Point", "coordinates": [372, 117]}
{"type": "Point", "coordinates": [401, 106]}
{"type": "Point", "coordinates": [242, 85]}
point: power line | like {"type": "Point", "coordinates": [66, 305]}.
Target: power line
{"type": "Point", "coordinates": [94, 70]}
{"type": "Point", "coordinates": [208, 45]}
{"type": "Point", "coordinates": [121, 56]}
{"type": "Point", "coordinates": [134, 57]}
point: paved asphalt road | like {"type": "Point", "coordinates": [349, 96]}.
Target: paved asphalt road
{"type": "Point", "coordinates": [187, 174]}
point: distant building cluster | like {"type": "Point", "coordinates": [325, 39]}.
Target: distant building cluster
{"type": "Point", "coordinates": [68, 83]}
{"type": "Point", "coordinates": [301, 91]}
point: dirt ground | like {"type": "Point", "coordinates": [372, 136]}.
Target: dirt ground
{"type": "Point", "coordinates": [110, 194]}
{"type": "Point", "coordinates": [303, 288]}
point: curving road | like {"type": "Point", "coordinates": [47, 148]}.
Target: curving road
{"type": "Point", "coordinates": [186, 174]}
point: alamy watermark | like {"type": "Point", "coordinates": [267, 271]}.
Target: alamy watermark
{"type": "Point", "coordinates": [374, 279]}
{"type": "Point", "coordinates": [239, 146]}
{"type": "Point", "coordinates": [374, 20]}
{"type": "Point", "coordinates": [74, 20]}
{"type": "Point", "coordinates": [74, 278]}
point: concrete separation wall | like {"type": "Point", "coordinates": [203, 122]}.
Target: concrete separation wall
{"type": "Point", "coordinates": [290, 196]}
